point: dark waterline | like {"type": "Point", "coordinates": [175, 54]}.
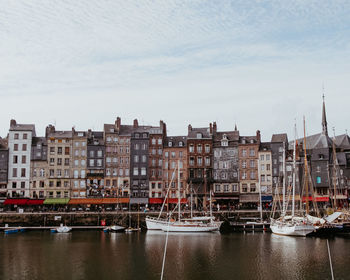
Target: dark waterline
{"type": "Point", "coordinates": [97, 255]}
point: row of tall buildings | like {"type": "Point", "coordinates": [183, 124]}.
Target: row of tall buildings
{"type": "Point", "coordinates": [141, 163]}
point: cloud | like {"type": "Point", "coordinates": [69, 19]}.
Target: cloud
{"type": "Point", "coordinates": [259, 63]}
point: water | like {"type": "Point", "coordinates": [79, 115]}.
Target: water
{"type": "Point", "coordinates": [97, 255]}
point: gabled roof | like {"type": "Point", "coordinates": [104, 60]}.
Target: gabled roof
{"type": "Point", "coordinates": [342, 141]}
{"type": "Point", "coordinates": [61, 134]}
{"type": "Point", "coordinates": [205, 131]}
{"type": "Point", "coordinates": [279, 138]}
{"type": "Point", "coordinates": [175, 140]}
{"type": "Point", "coordinates": [231, 135]}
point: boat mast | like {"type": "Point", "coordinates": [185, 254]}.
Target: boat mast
{"type": "Point", "coordinates": [179, 190]}
{"type": "Point", "coordinates": [284, 180]}
{"type": "Point", "coordinates": [191, 200]}
{"type": "Point", "coordinates": [260, 202]}
{"type": "Point", "coordinates": [294, 168]}
{"type": "Point", "coordinates": [306, 172]}
{"type": "Point", "coordinates": [334, 173]}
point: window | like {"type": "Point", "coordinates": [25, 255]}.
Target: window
{"type": "Point", "coordinates": [136, 171]}
{"type": "Point", "coordinates": [244, 188]}
{"type": "Point", "coordinates": [191, 149]}
{"type": "Point", "coordinates": [42, 172]}
{"type": "Point", "coordinates": [76, 152]}
{"type": "Point", "coordinates": [267, 157]}
{"type": "Point", "coordinates": [99, 162]}
{"type": "Point", "coordinates": [217, 188]}
{"type": "Point", "coordinates": [268, 167]}
{"type": "Point", "coordinates": [76, 174]}
{"type": "Point", "coordinates": [262, 157]}
{"type": "Point", "coordinates": [252, 188]}
{"type": "Point", "coordinates": [137, 146]}
{"type": "Point", "coordinates": [136, 158]}
{"type": "Point", "coordinates": [16, 136]}
{"type": "Point", "coordinates": [199, 161]}
{"type": "Point", "coordinates": [153, 141]}
{"type": "Point", "coordinates": [262, 178]}
{"type": "Point", "coordinates": [159, 141]}
{"type": "Point", "coordinates": [226, 188]}
{"type": "Point", "coordinates": [181, 144]}
{"type": "Point", "coordinates": [15, 147]}
{"type": "Point", "coordinates": [24, 147]}
{"type": "Point", "coordinates": [207, 161]}
{"type": "Point", "coordinates": [173, 154]}
{"type": "Point", "coordinates": [59, 172]}
{"type": "Point", "coordinates": [160, 152]}
{"type": "Point", "coordinates": [76, 162]}
{"type": "Point", "coordinates": [144, 158]}
{"type": "Point", "coordinates": [252, 175]}
{"type": "Point", "coordinates": [207, 148]}
{"type": "Point", "coordinates": [82, 173]}
{"type": "Point", "coordinates": [66, 150]}
{"type": "Point", "coordinates": [23, 172]}
{"type": "Point", "coordinates": [252, 163]}
{"type": "Point", "coordinates": [15, 159]}
{"type": "Point", "coordinates": [199, 148]}
{"type": "Point", "coordinates": [318, 179]}
{"type": "Point", "coordinates": [59, 150]}
{"type": "Point", "coordinates": [108, 159]}
{"type": "Point", "coordinates": [318, 168]}
{"type": "Point", "coordinates": [199, 135]}
{"type": "Point", "coordinates": [25, 135]}
{"type": "Point", "coordinates": [144, 147]}
{"type": "Point", "coordinates": [180, 154]}
{"type": "Point", "coordinates": [14, 172]}
{"type": "Point", "coordinates": [235, 188]}
{"type": "Point", "coordinates": [252, 152]}
{"type": "Point", "coordinates": [244, 175]}
{"type": "Point", "coordinates": [244, 153]}
{"type": "Point", "coordinates": [262, 167]}
{"type": "Point", "coordinates": [91, 162]}
{"type": "Point", "coordinates": [99, 153]}
{"type": "Point", "coordinates": [244, 164]}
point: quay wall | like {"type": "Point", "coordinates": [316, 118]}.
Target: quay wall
{"type": "Point", "coordinates": [95, 218]}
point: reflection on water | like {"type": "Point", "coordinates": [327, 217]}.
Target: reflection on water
{"type": "Point", "coordinates": [97, 255]}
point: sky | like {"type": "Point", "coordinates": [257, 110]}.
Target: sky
{"type": "Point", "coordinates": [258, 64]}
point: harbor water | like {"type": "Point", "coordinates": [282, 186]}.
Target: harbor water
{"type": "Point", "coordinates": [98, 255]}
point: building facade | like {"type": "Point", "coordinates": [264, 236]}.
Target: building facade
{"type": "Point", "coordinates": [39, 168]}
{"type": "Point", "coordinates": [226, 168]}
{"type": "Point", "coordinates": [79, 162]}
{"type": "Point", "coordinates": [4, 158]}
{"type": "Point", "coordinates": [265, 172]}
{"type": "Point", "coordinates": [19, 144]}
{"type": "Point", "coordinates": [248, 150]}
{"type": "Point", "coordinates": [60, 168]}
{"type": "Point", "coordinates": [199, 158]}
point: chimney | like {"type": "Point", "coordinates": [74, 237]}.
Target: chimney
{"type": "Point", "coordinates": [73, 130]}
{"type": "Point", "coordinates": [117, 123]}
{"type": "Point", "coordinates": [258, 136]}
{"type": "Point", "coordinates": [89, 134]}
{"type": "Point", "coordinates": [211, 129]}
{"type": "Point", "coordinates": [136, 123]}
{"type": "Point", "coordinates": [189, 128]}
{"type": "Point", "coordinates": [163, 127]}
{"type": "Point", "coordinates": [214, 128]}
{"type": "Point", "coordinates": [49, 129]}
{"type": "Point", "coordinates": [13, 123]}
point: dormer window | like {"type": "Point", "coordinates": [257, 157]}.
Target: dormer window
{"type": "Point", "coordinates": [199, 135]}
{"type": "Point", "coordinates": [243, 141]}
{"type": "Point", "coordinates": [137, 135]}
{"type": "Point", "coordinates": [111, 130]}
{"type": "Point", "coordinates": [252, 141]}
{"type": "Point", "coordinates": [181, 144]}
{"type": "Point", "coordinates": [170, 144]}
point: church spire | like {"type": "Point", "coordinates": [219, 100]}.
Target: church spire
{"type": "Point", "coordinates": [324, 120]}
{"type": "Point", "coordinates": [235, 127]}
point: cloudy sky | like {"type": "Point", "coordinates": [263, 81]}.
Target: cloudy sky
{"type": "Point", "coordinates": [260, 64]}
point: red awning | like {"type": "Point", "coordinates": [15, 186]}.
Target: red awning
{"type": "Point", "coordinates": [176, 200]}
{"type": "Point", "coordinates": [156, 200]}
{"type": "Point", "coordinates": [35, 201]}
{"type": "Point", "coordinates": [16, 201]}
{"type": "Point", "coordinates": [318, 199]}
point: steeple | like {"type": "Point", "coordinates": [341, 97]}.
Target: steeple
{"type": "Point", "coordinates": [324, 120]}
{"type": "Point", "coordinates": [235, 127]}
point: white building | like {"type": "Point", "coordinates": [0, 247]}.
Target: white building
{"type": "Point", "coordinates": [19, 144]}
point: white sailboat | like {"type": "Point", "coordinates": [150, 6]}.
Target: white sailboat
{"type": "Point", "coordinates": [193, 224]}
{"type": "Point", "coordinates": [61, 229]}
{"type": "Point", "coordinates": [293, 225]}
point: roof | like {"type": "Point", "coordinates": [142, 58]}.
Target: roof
{"type": "Point", "coordinates": [61, 134]}
{"type": "Point", "coordinates": [279, 138]}
{"type": "Point", "coordinates": [342, 141]}
{"type": "Point", "coordinates": [175, 140]}
{"type": "Point", "coordinates": [341, 157]}
{"type": "Point", "coordinates": [316, 141]}
{"type": "Point", "coordinates": [265, 146]}
{"type": "Point", "coordinates": [205, 131]}
{"type": "Point", "coordinates": [36, 140]}
{"type": "Point", "coordinates": [231, 135]}
{"type": "Point", "coordinates": [23, 127]}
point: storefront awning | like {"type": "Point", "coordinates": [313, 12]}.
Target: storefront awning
{"type": "Point", "coordinates": [85, 201]}
{"type": "Point", "coordinates": [156, 200]}
{"type": "Point", "coordinates": [227, 198]}
{"type": "Point", "coordinates": [56, 201]}
{"type": "Point", "coordinates": [317, 199]}
{"type": "Point", "coordinates": [176, 200]}
{"type": "Point", "coordinates": [249, 198]}
{"type": "Point", "coordinates": [266, 198]}
{"type": "Point", "coordinates": [16, 201]}
{"type": "Point", "coordinates": [136, 200]}
{"type": "Point", "coordinates": [35, 201]}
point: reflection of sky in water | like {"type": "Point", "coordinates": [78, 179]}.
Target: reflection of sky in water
{"type": "Point", "coordinates": [98, 255]}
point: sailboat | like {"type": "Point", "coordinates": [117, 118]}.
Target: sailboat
{"type": "Point", "coordinates": [295, 225]}
{"type": "Point", "coordinates": [153, 223]}
{"type": "Point", "coordinates": [193, 224]}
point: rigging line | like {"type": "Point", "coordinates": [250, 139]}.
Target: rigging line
{"type": "Point", "coordinates": [166, 245]}
{"type": "Point", "coordinates": [330, 260]}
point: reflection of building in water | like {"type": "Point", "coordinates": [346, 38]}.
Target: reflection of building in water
{"type": "Point", "coordinates": [182, 250]}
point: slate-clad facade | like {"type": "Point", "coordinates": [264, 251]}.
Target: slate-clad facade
{"type": "Point", "coordinates": [4, 157]}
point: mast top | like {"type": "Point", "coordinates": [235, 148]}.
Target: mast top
{"type": "Point", "coordinates": [324, 118]}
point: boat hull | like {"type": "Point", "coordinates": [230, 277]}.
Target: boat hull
{"type": "Point", "coordinates": [294, 230]}
{"type": "Point", "coordinates": [189, 228]}
{"type": "Point", "coordinates": [155, 224]}
{"type": "Point", "coordinates": [117, 228]}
